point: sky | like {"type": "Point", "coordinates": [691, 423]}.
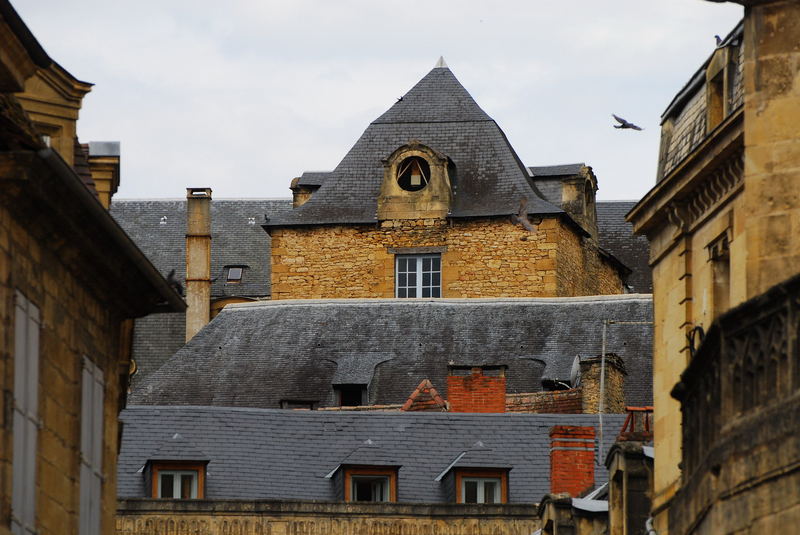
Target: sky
{"type": "Point", "coordinates": [243, 95]}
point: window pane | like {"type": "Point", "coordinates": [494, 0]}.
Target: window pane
{"type": "Point", "coordinates": [412, 279]}
{"type": "Point", "coordinates": [426, 292]}
{"type": "Point", "coordinates": [437, 279]}
{"type": "Point", "coordinates": [426, 264]}
{"type": "Point", "coordinates": [435, 264]}
{"type": "Point", "coordinates": [426, 279]}
{"type": "Point", "coordinates": [401, 279]}
{"type": "Point", "coordinates": [412, 292]}
{"type": "Point", "coordinates": [435, 292]}
{"type": "Point", "coordinates": [490, 492]}
{"type": "Point", "coordinates": [401, 292]}
{"type": "Point", "coordinates": [401, 264]}
{"type": "Point", "coordinates": [470, 492]}
{"type": "Point", "coordinates": [167, 490]}
{"type": "Point", "coordinates": [186, 486]}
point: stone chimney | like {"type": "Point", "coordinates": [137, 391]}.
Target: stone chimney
{"type": "Point", "coordinates": [614, 390]}
{"type": "Point", "coordinates": [477, 388]}
{"type": "Point", "coordinates": [104, 163]}
{"type": "Point", "coordinates": [198, 259]}
{"type": "Point", "coordinates": [571, 459]}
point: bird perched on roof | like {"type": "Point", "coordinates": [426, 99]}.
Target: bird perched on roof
{"type": "Point", "coordinates": [174, 284]}
{"type": "Point", "coordinates": [719, 40]}
{"type": "Point", "coordinates": [625, 124]}
{"type": "Point", "coordinates": [522, 216]}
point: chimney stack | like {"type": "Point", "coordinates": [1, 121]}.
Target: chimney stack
{"type": "Point", "coordinates": [198, 259]}
{"type": "Point", "coordinates": [614, 391]}
{"type": "Point", "coordinates": [104, 161]}
{"type": "Point", "coordinates": [571, 459]}
{"type": "Point", "coordinates": [475, 390]}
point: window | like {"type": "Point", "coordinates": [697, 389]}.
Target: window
{"type": "Point", "coordinates": [413, 173]}
{"type": "Point", "coordinates": [351, 395]}
{"type": "Point", "coordinates": [26, 416]}
{"type": "Point", "coordinates": [720, 257]}
{"type": "Point", "coordinates": [481, 486]}
{"type": "Point", "coordinates": [234, 274]}
{"type": "Point", "coordinates": [418, 275]}
{"type": "Point", "coordinates": [370, 484]}
{"type": "Point", "coordinates": [91, 469]}
{"type": "Point", "coordinates": [178, 480]}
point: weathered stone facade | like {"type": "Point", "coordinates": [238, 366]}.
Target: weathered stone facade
{"type": "Point", "coordinates": [218, 517]}
{"type": "Point", "coordinates": [480, 258]}
{"type": "Point", "coordinates": [722, 223]}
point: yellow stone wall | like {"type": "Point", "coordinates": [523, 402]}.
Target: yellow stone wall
{"type": "Point", "coordinates": [74, 324]}
{"type": "Point", "coordinates": [489, 257]}
{"type": "Point", "coordinates": [167, 517]}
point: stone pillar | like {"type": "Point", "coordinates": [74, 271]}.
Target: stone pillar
{"type": "Point", "coordinates": [198, 259]}
{"type": "Point", "coordinates": [571, 459]}
{"type": "Point", "coordinates": [615, 382]}
{"type": "Point", "coordinates": [772, 142]}
{"type": "Point", "coordinates": [476, 392]}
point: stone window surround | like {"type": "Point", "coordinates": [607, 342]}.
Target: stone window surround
{"type": "Point", "coordinates": [180, 466]}
{"type": "Point", "coordinates": [481, 473]}
{"type": "Point", "coordinates": [389, 472]}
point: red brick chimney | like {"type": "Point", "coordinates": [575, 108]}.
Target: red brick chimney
{"type": "Point", "coordinates": [571, 459]}
{"type": "Point", "coordinates": [477, 388]}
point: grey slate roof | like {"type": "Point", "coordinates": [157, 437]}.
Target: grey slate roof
{"type": "Point", "coordinates": [556, 170]}
{"type": "Point", "coordinates": [280, 454]}
{"type": "Point", "coordinates": [257, 354]}
{"type": "Point", "coordinates": [616, 236]}
{"type": "Point", "coordinates": [235, 241]}
{"type": "Point", "coordinates": [489, 178]}
{"type": "Point", "coordinates": [313, 178]}
{"type": "Point", "coordinates": [236, 238]}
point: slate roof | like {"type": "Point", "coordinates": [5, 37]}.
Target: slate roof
{"type": "Point", "coordinates": [556, 170]}
{"type": "Point", "coordinates": [616, 236]}
{"type": "Point", "coordinates": [158, 227]}
{"type": "Point", "coordinates": [281, 454]}
{"type": "Point", "coordinates": [313, 178]}
{"type": "Point", "coordinates": [489, 178]}
{"type": "Point", "coordinates": [257, 354]}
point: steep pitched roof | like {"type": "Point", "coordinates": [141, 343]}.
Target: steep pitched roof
{"type": "Point", "coordinates": [616, 236]}
{"type": "Point", "coordinates": [281, 454]}
{"type": "Point", "coordinates": [489, 178]}
{"type": "Point", "coordinates": [256, 354]}
{"type": "Point", "coordinates": [159, 229]}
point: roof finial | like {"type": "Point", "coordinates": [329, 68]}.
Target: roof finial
{"type": "Point", "coordinates": [441, 63]}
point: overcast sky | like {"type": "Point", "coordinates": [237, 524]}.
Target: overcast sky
{"type": "Point", "coordinates": [244, 95]}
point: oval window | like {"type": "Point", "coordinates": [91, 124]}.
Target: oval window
{"type": "Point", "coordinates": [413, 173]}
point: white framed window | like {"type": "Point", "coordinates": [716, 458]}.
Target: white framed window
{"type": "Point", "coordinates": [418, 275]}
{"type": "Point", "coordinates": [27, 324]}
{"type": "Point", "coordinates": [369, 488]}
{"type": "Point", "coordinates": [177, 484]}
{"type": "Point", "coordinates": [481, 489]}
{"type": "Point", "coordinates": [92, 396]}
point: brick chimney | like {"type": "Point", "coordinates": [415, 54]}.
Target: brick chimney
{"type": "Point", "coordinates": [615, 381]}
{"type": "Point", "coordinates": [104, 162]}
{"type": "Point", "coordinates": [477, 388]}
{"type": "Point", "coordinates": [198, 259]}
{"type": "Point", "coordinates": [571, 459]}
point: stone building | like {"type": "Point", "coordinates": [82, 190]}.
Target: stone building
{"type": "Point", "coordinates": [722, 223]}
{"type": "Point", "coordinates": [71, 281]}
{"type": "Point", "coordinates": [432, 201]}
{"type": "Point", "coordinates": [273, 471]}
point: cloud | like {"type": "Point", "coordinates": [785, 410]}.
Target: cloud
{"type": "Point", "coordinates": [244, 95]}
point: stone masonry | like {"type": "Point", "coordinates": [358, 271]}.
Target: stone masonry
{"type": "Point", "coordinates": [488, 257]}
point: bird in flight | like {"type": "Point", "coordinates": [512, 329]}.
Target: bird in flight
{"type": "Point", "coordinates": [625, 124]}
{"type": "Point", "coordinates": [522, 216]}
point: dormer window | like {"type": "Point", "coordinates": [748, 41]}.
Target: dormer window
{"type": "Point", "coordinates": [370, 484]}
{"type": "Point", "coordinates": [178, 480]}
{"type": "Point", "coordinates": [234, 274]}
{"type": "Point", "coordinates": [413, 173]}
{"type": "Point", "coordinates": [481, 486]}
{"type": "Point", "coordinates": [351, 395]}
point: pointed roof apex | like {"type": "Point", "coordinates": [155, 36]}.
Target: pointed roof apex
{"type": "Point", "coordinates": [441, 64]}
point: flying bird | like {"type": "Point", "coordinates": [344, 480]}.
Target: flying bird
{"type": "Point", "coordinates": [625, 124]}
{"type": "Point", "coordinates": [522, 216]}
{"type": "Point", "coordinates": [173, 283]}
